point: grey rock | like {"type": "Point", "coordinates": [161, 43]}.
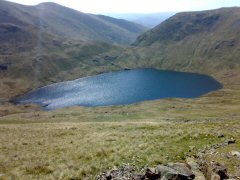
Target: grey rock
{"type": "Point", "coordinates": [230, 141]}
{"type": "Point", "coordinates": [235, 153]}
{"type": "Point", "coordinates": [166, 172]}
{"type": "Point", "coordinates": [138, 177]}
{"type": "Point", "coordinates": [117, 173]}
{"type": "Point", "coordinates": [151, 174]}
{"type": "Point", "coordinates": [175, 171]}
{"type": "Point", "coordinates": [183, 169]}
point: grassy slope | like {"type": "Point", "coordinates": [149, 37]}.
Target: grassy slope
{"type": "Point", "coordinates": [80, 142]}
{"type": "Point", "coordinates": [195, 41]}
{"type": "Point", "coordinates": [186, 48]}
{"type": "Point", "coordinates": [35, 58]}
{"type": "Point", "coordinates": [48, 59]}
{"type": "Point", "coordinates": [69, 23]}
{"type": "Point", "coordinates": [43, 44]}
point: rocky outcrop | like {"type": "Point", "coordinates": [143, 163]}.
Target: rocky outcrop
{"type": "Point", "coordinates": [197, 168]}
{"type": "Point", "coordinates": [163, 172]}
{"type": "Point", "coordinates": [171, 171]}
{"type": "Point", "coordinates": [213, 170]}
{"type": "Point", "coordinates": [174, 171]}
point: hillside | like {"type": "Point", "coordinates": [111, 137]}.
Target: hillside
{"type": "Point", "coordinates": [201, 42]}
{"type": "Point", "coordinates": [205, 42]}
{"type": "Point", "coordinates": [31, 59]}
{"type": "Point", "coordinates": [192, 41]}
{"type": "Point", "coordinates": [50, 43]}
{"type": "Point", "coordinates": [69, 23]}
{"type": "Point", "coordinates": [87, 142]}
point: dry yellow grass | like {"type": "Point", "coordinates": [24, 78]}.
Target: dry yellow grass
{"type": "Point", "coordinates": [80, 142]}
{"type": "Point", "coordinates": [68, 150]}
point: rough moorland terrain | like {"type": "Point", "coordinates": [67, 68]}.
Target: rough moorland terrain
{"type": "Point", "coordinates": [43, 44]}
{"type": "Point", "coordinates": [78, 142]}
{"type": "Point", "coordinates": [200, 42]}
{"type": "Point", "coordinates": [204, 42]}
{"type": "Point", "coordinates": [82, 142]}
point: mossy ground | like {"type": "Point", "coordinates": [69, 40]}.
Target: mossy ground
{"type": "Point", "coordinates": [80, 142]}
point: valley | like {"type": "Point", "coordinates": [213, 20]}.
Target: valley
{"type": "Point", "coordinates": [79, 142]}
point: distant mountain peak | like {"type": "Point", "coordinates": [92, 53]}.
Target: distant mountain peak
{"type": "Point", "coordinates": [69, 23]}
{"type": "Point", "coordinates": [198, 41]}
{"type": "Point", "coordinates": [48, 4]}
{"type": "Point", "coordinates": [185, 24]}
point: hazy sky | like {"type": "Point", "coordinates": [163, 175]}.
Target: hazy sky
{"type": "Point", "coordinates": [137, 6]}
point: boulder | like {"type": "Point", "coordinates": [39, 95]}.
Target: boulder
{"type": "Point", "coordinates": [235, 153]}
{"type": "Point", "coordinates": [167, 172]}
{"type": "Point", "coordinates": [183, 169]}
{"type": "Point", "coordinates": [175, 171]}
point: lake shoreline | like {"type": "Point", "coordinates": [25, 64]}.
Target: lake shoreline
{"type": "Point", "coordinates": [120, 88]}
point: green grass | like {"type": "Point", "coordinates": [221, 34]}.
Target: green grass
{"type": "Point", "coordinates": [66, 150]}
{"type": "Point", "coordinates": [80, 142]}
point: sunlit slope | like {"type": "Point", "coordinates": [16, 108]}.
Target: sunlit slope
{"type": "Point", "coordinates": [205, 42]}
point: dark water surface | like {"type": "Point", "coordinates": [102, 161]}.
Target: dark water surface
{"type": "Point", "coordinates": [124, 87]}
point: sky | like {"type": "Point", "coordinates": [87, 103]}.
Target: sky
{"type": "Point", "coordinates": [137, 6]}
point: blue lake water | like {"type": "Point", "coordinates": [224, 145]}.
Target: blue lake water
{"type": "Point", "coordinates": [119, 88]}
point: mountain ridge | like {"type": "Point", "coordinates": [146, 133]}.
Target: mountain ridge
{"type": "Point", "coordinates": [201, 42]}
{"type": "Point", "coordinates": [31, 55]}
{"type": "Point", "coordinates": [69, 23]}
{"type": "Point", "coordinates": [205, 42]}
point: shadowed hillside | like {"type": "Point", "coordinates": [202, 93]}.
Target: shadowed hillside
{"type": "Point", "coordinates": [29, 59]}
{"type": "Point", "coordinates": [50, 43]}
{"type": "Point", "coordinates": [31, 56]}
{"type": "Point", "coordinates": [69, 23]}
